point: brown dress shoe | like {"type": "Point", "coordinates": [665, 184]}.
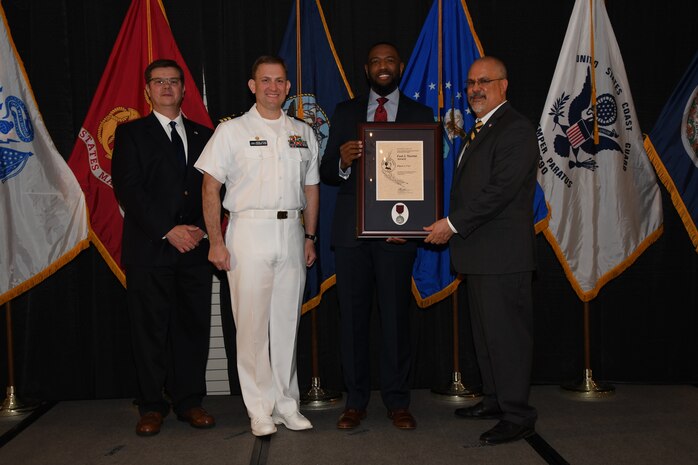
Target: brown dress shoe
{"type": "Point", "coordinates": [149, 424]}
{"type": "Point", "coordinates": [198, 418]}
{"type": "Point", "coordinates": [402, 418]}
{"type": "Point", "coordinates": [351, 418]}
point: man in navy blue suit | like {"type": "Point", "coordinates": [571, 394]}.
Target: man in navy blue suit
{"type": "Point", "coordinates": [367, 265]}
{"type": "Point", "coordinates": [165, 252]}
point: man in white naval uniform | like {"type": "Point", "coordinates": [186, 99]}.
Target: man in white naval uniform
{"type": "Point", "coordinates": [268, 162]}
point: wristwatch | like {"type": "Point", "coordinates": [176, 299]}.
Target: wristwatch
{"type": "Point", "coordinates": [312, 237]}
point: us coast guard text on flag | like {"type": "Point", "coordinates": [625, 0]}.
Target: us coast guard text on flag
{"type": "Point", "coordinates": [605, 203]}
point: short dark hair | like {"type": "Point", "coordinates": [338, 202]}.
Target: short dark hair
{"type": "Point", "coordinates": [163, 63]}
{"type": "Point", "coordinates": [389, 44]}
{"type": "Point", "coordinates": [268, 60]}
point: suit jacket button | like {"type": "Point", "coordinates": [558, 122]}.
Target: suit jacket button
{"type": "Point", "coordinates": [186, 192]}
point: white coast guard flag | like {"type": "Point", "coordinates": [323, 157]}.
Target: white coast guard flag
{"type": "Point", "coordinates": [43, 220]}
{"type": "Point", "coordinates": [604, 199]}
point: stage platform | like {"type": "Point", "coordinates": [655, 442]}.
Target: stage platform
{"type": "Point", "coordinates": [636, 425]}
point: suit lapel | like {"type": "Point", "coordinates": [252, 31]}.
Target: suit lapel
{"type": "Point", "coordinates": [362, 108]}
{"type": "Point", "coordinates": [401, 108]}
{"type": "Point", "coordinates": [481, 136]}
{"type": "Point", "coordinates": [194, 143]}
{"type": "Point", "coordinates": [161, 139]}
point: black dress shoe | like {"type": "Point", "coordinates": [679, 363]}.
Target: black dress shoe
{"type": "Point", "coordinates": [505, 431]}
{"type": "Point", "coordinates": [478, 411]}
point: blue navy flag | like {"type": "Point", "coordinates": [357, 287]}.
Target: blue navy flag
{"type": "Point", "coordinates": [435, 76]}
{"type": "Point", "coordinates": [673, 149]}
{"type": "Point", "coordinates": [318, 84]}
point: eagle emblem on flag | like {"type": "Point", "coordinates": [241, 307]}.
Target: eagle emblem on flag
{"type": "Point", "coordinates": [577, 138]}
{"type": "Point", "coordinates": [15, 128]}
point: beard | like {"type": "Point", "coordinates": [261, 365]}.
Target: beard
{"type": "Point", "coordinates": [478, 105]}
{"type": "Point", "coordinates": [384, 89]}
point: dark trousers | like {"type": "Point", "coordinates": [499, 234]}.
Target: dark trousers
{"type": "Point", "coordinates": [502, 318]}
{"type": "Point", "coordinates": [170, 314]}
{"type": "Point", "coordinates": [387, 270]}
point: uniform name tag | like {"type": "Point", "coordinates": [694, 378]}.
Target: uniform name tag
{"type": "Point", "coordinates": [258, 143]}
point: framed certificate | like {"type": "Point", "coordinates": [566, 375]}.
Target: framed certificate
{"type": "Point", "coordinates": [400, 179]}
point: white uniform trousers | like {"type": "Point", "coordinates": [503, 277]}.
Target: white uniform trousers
{"type": "Point", "coordinates": [267, 277]}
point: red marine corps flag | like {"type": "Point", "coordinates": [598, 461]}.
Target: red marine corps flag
{"type": "Point", "coordinates": [145, 36]}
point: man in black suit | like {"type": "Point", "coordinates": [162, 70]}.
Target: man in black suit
{"type": "Point", "coordinates": [491, 237]}
{"type": "Point", "coordinates": [371, 264]}
{"type": "Point", "coordinates": [164, 252]}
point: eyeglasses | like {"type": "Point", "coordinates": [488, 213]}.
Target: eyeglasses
{"type": "Point", "coordinates": [175, 81]}
{"type": "Point", "coordinates": [482, 82]}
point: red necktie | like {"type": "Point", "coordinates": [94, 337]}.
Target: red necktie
{"type": "Point", "coordinates": [381, 114]}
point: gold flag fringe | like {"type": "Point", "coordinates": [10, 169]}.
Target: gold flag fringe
{"type": "Point", "coordinates": [45, 273]}
{"type": "Point", "coordinates": [586, 296]}
{"type": "Point", "coordinates": [676, 199]}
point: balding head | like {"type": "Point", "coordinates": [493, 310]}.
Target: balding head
{"type": "Point", "coordinates": [487, 85]}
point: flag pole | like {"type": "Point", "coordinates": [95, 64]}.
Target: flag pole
{"type": "Point", "coordinates": [12, 404]}
{"type": "Point", "coordinates": [440, 103]}
{"type": "Point", "coordinates": [587, 388]}
{"type": "Point", "coordinates": [455, 390]}
{"type": "Point", "coordinates": [316, 397]}
{"type": "Point", "coordinates": [593, 71]}
{"type": "Point", "coordinates": [299, 63]}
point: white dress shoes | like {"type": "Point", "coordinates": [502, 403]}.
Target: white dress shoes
{"type": "Point", "coordinates": [263, 426]}
{"type": "Point", "coordinates": [293, 421]}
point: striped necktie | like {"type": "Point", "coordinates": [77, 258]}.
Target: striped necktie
{"type": "Point", "coordinates": [476, 129]}
{"type": "Point", "coordinates": [473, 131]}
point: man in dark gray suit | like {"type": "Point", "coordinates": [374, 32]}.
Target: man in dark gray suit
{"type": "Point", "coordinates": [165, 252]}
{"type": "Point", "coordinates": [491, 237]}
{"type": "Point", "coordinates": [368, 265]}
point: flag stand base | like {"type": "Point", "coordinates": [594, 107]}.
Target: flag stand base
{"type": "Point", "coordinates": [456, 391]}
{"type": "Point", "coordinates": [589, 389]}
{"type": "Point", "coordinates": [317, 398]}
{"type": "Point", "coordinates": [13, 406]}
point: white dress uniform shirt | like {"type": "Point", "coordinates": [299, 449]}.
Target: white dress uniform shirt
{"type": "Point", "coordinates": [260, 170]}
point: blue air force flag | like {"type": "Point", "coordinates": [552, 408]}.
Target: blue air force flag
{"type": "Point", "coordinates": [43, 219]}
{"type": "Point", "coordinates": [318, 84]}
{"type": "Point", "coordinates": [673, 149]}
{"type": "Point", "coordinates": [605, 202]}
{"type": "Point", "coordinates": [441, 86]}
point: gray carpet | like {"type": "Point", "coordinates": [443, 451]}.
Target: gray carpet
{"type": "Point", "coordinates": [637, 425]}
